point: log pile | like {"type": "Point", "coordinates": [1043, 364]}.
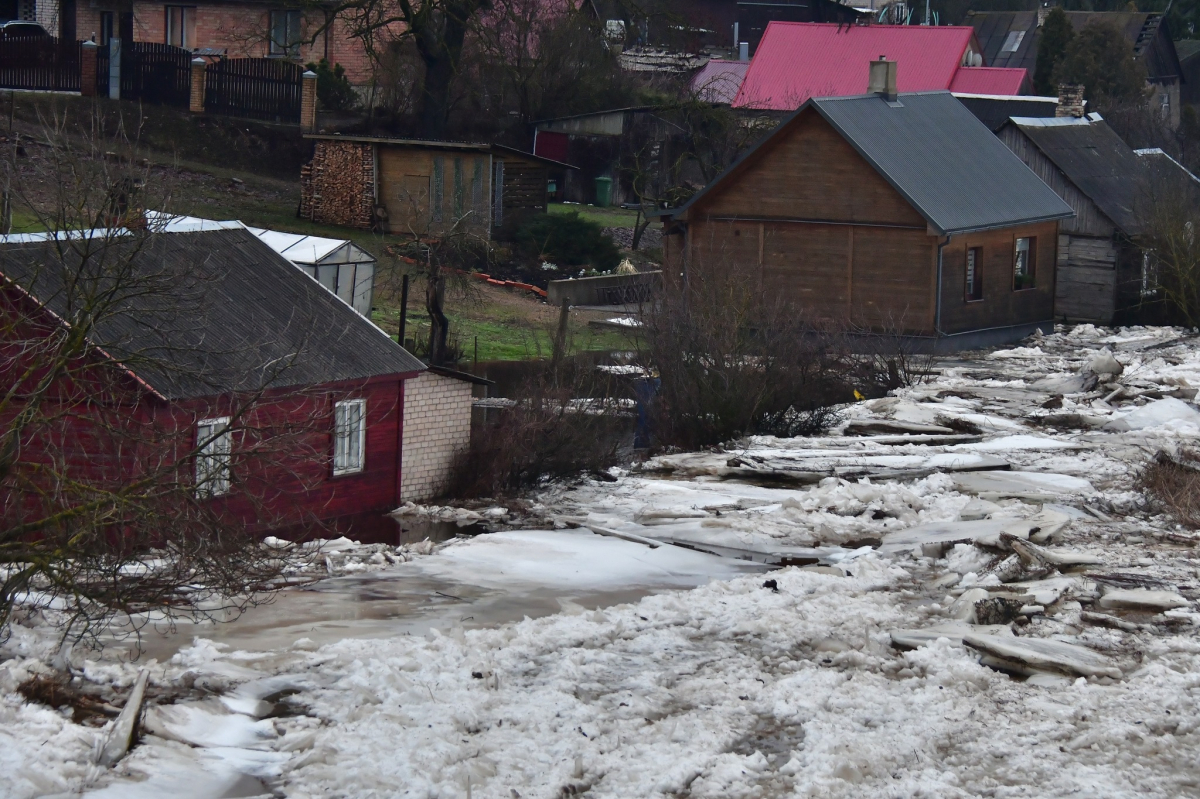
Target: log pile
{"type": "Point", "coordinates": [338, 186]}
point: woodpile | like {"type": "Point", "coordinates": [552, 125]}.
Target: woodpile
{"type": "Point", "coordinates": [338, 186]}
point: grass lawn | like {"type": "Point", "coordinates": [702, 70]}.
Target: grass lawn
{"type": "Point", "coordinates": [608, 217]}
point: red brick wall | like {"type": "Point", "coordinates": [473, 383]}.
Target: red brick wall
{"type": "Point", "coordinates": [242, 31]}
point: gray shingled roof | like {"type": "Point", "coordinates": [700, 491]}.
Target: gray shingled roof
{"type": "Point", "coordinates": [206, 313]}
{"type": "Point", "coordinates": [946, 163]}
{"type": "Point", "coordinates": [1096, 160]}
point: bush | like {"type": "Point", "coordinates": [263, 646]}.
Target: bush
{"type": "Point", "coordinates": [334, 91]}
{"type": "Point", "coordinates": [1172, 484]}
{"type": "Point", "coordinates": [567, 240]}
{"type": "Point", "coordinates": [548, 433]}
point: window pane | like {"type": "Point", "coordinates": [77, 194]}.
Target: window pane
{"type": "Point", "coordinates": [1023, 267]}
{"type": "Point", "coordinates": [214, 443]}
{"type": "Point", "coordinates": [349, 435]}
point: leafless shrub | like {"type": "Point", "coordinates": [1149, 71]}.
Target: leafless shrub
{"type": "Point", "coordinates": [1172, 484]}
{"type": "Point", "coordinates": [566, 421]}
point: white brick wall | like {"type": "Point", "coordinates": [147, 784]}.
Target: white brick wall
{"type": "Point", "coordinates": [437, 429]}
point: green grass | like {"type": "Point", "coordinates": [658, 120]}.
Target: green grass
{"type": "Point", "coordinates": [608, 217]}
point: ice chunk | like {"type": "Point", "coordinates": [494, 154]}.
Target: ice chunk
{"type": "Point", "coordinates": [1043, 654]}
{"type": "Point", "coordinates": [1020, 485]}
{"type": "Point", "coordinates": [953, 630]}
{"type": "Point", "coordinates": [1155, 414]}
{"type": "Point", "coordinates": [1142, 599]}
{"type": "Point", "coordinates": [1104, 363]}
{"type": "Point", "coordinates": [977, 509]}
{"type": "Point", "coordinates": [866, 427]}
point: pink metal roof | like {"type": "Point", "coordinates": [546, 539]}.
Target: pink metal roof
{"type": "Point", "coordinates": [718, 81]}
{"type": "Point", "coordinates": [799, 60]}
{"type": "Point", "coordinates": [988, 80]}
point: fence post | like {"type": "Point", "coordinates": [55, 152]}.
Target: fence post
{"type": "Point", "coordinates": [308, 101]}
{"type": "Point", "coordinates": [114, 69]}
{"type": "Point", "coordinates": [196, 101]}
{"type": "Point", "coordinates": [87, 69]}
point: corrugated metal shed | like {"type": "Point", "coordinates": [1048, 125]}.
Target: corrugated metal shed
{"type": "Point", "coordinates": [946, 163]}
{"type": "Point", "coordinates": [719, 81]}
{"type": "Point", "coordinates": [226, 313]}
{"type": "Point", "coordinates": [989, 80]}
{"type": "Point", "coordinates": [799, 60]}
{"type": "Point", "coordinates": [1094, 158]}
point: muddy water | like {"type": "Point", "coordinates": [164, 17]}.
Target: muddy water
{"type": "Point", "coordinates": [380, 605]}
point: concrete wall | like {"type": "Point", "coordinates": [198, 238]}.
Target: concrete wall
{"type": "Point", "coordinates": [437, 430]}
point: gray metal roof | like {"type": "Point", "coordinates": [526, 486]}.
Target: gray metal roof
{"type": "Point", "coordinates": [205, 313]}
{"type": "Point", "coordinates": [1094, 158]}
{"type": "Point", "coordinates": [945, 162]}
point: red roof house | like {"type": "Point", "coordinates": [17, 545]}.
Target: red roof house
{"type": "Point", "coordinates": [799, 60]}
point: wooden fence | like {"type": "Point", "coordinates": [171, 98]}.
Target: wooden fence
{"type": "Point", "coordinates": [41, 63]}
{"type": "Point", "coordinates": [259, 88]}
{"type": "Point", "coordinates": [155, 73]}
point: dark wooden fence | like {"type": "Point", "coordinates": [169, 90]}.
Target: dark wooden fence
{"type": "Point", "coordinates": [41, 63]}
{"type": "Point", "coordinates": [156, 73]}
{"type": "Point", "coordinates": [102, 69]}
{"type": "Point", "coordinates": [260, 88]}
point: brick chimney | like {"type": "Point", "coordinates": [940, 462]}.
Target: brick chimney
{"type": "Point", "coordinates": [1043, 12]}
{"type": "Point", "coordinates": [882, 80]}
{"type": "Point", "coordinates": [1070, 100]}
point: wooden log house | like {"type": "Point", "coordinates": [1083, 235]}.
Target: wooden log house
{"type": "Point", "coordinates": [889, 211]}
{"type": "Point", "coordinates": [422, 188]}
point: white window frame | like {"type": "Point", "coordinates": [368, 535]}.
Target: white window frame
{"type": "Point", "coordinates": [349, 451]}
{"type": "Point", "coordinates": [214, 457]}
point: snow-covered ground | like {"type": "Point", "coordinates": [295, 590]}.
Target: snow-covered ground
{"type": "Point", "coordinates": [985, 608]}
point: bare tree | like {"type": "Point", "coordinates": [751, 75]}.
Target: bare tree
{"type": "Point", "coordinates": [115, 503]}
{"type": "Point", "coordinates": [1168, 209]}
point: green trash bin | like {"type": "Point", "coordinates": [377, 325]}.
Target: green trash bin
{"type": "Point", "coordinates": [603, 192]}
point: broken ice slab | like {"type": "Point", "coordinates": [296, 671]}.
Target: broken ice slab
{"type": "Point", "coordinates": [1155, 414]}
{"type": "Point", "coordinates": [953, 630]}
{"type": "Point", "coordinates": [1142, 599]}
{"type": "Point", "coordinates": [1021, 485]}
{"type": "Point", "coordinates": [985, 532]}
{"type": "Point", "coordinates": [1041, 654]}
{"type": "Point", "coordinates": [1046, 591]}
{"type": "Point", "coordinates": [867, 427]}
{"type": "Point", "coordinates": [1064, 384]}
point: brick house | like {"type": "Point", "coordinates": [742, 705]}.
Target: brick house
{"type": "Point", "coordinates": [245, 29]}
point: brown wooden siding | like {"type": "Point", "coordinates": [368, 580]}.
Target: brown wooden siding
{"type": "Point", "coordinates": [426, 192]}
{"type": "Point", "coordinates": [1000, 306]}
{"type": "Point", "coordinates": [814, 174]}
{"type": "Point", "coordinates": [1089, 219]}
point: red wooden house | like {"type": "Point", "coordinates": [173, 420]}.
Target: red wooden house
{"type": "Point", "coordinates": [212, 363]}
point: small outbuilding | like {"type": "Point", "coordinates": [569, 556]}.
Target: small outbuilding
{"type": "Point", "coordinates": [886, 210]}
{"type": "Point", "coordinates": [422, 188]}
{"type": "Point", "coordinates": [1103, 274]}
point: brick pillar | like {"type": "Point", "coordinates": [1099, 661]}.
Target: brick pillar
{"type": "Point", "coordinates": [308, 101]}
{"type": "Point", "coordinates": [196, 102]}
{"type": "Point", "coordinates": [87, 69]}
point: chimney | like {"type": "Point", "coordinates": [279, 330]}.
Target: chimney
{"type": "Point", "coordinates": [882, 79]}
{"type": "Point", "coordinates": [1043, 12]}
{"type": "Point", "coordinates": [1070, 100]}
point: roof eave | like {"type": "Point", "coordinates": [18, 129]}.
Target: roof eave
{"type": "Point", "coordinates": [1033, 220]}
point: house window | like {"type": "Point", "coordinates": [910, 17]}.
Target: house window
{"type": "Point", "coordinates": [214, 442]}
{"type": "Point", "coordinates": [349, 436]}
{"type": "Point", "coordinates": [974, 280]}
{"type": "Point", "coordinates": [285, 33]}
{"type": "Point", "coordinates": [1024, 264]}
{"type": "Point", "coordinates": [179, 23]}
{"type": "Point", "coordinates": [107, 31]}
{"type": "Point", "coordinates": [1012, 42]}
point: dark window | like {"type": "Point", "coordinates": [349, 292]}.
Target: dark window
{"type": "Point", "coordinates": [179, 22]}
{"type": "Point", "coordinates": [1025, 264]}
{"type": "Point", "coordinates": [107, 30]}
{"type": "Point", "coordinates": [974, 278]}
{"type": "Point", "coordinates": [285, 33]}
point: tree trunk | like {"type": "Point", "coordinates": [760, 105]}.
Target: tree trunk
{"type": "Point", "coordinates": [439, 37]}
{"type": "Point", "coordinates": [439, 326]}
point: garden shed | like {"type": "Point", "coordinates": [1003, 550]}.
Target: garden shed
{"type": "Point", "coordinates": [423, 188]}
